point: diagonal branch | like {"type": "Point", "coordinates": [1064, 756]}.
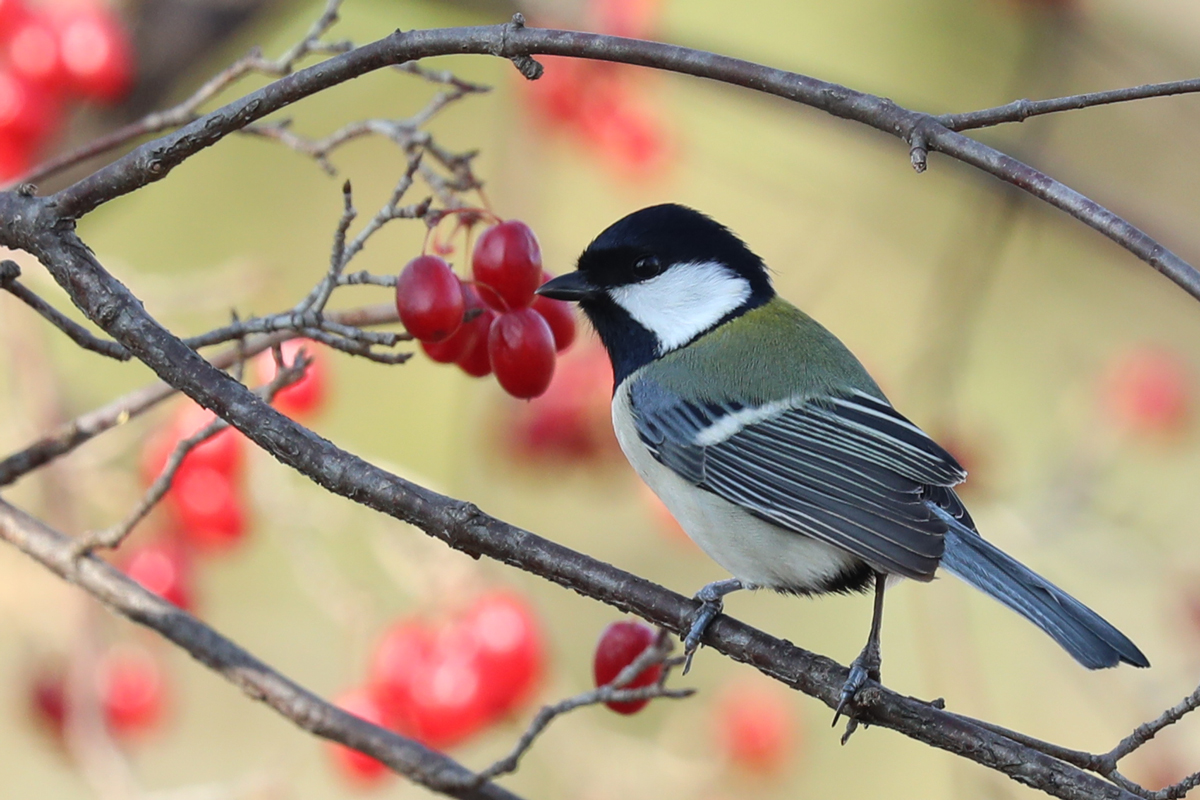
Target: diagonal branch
{"type": "Point", "coordinates": [153, 160]}
{"type": "Point", "coordinates": [258, 680]}
{"type": "Point", "coordinates": [466, 528]}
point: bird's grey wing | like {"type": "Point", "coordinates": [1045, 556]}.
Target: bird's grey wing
{"type": "Point", "coordinates": [851, 471]}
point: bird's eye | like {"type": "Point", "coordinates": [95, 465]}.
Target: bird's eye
{"type": "Point", "coordinates": [646, 267]}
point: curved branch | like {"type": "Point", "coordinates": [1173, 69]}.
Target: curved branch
{"type": "Point", "coordinates": [258, 680]}
{"type": "Point", "coordinates": [153, 160]}
{"type": "Point", "coordinates": [464, 527]}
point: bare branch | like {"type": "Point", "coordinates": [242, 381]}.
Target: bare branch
{"type": "Point", "coordinates": [10, 271]}
{"type": "Point", "coordinates": [258, 680]}
{"type": "Point", "coordinates": [1021, 110]}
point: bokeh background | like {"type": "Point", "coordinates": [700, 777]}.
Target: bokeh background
{"type": "Point", "coordinates": [1059, 368]}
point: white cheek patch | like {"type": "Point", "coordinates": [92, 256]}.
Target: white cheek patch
{"type": "Point", "coordinates": [683, 301]}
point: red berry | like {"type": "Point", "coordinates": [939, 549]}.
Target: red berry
{"type": "Point", "coordinates": [754, 727]}
{"type": "Point", "coordinates": [1149, 391]}
{"type": "Point", "coordinates": [507, 258]}
{"type": "Point", "coordinates": [16, 157]}
{"type": "Point", "coordinates": [131, 690]}
{"type": "Point", "coordinates": [162, 568]}
{"type": "Point", "coordinates": [476, 361]}
{"type": "Point", "coordinates": [209, 509]}
{"type": "Point", "coordinates": [510, 649]}
{"type": "Point", "coordinates": [32, 51]}
{"type": "Point", "coordinates": [96, 55]}
{"type": "Point", "coordinates": [429, 299]}
{"type": "Point", "coordinates": [305, 397]}
{"type": "Point", "coordinates": [619, 645]}
{"type": "Point", "coordinates": [559, 316]}
{"type": "Point", "coordinates": [521, 351]}
{"type": "Point", "coordinates": [27, 113]}
{"type": "Point", "coordinates": [449, 698]}
{"type": "Point", "coordinates": [12, 13]}
{"type": "Point", "coordinates": [404, 651]}
{"type": "Point", "coordinates": [48, 698]}
{"type": "Point", "coordinates": [359, 768]}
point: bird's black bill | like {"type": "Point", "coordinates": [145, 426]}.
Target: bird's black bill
{"type": "Point", "coordinates": [572, 287]}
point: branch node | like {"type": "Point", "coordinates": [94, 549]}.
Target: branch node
{"type": "Point", "coordinates": [9, 271]}
{"type": "Point", "coordinates": [529, 68]}
{"type": "Point", "coordinates": [27, 190]}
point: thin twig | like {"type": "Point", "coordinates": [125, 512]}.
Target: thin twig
{"type": "Point", "coordinates": [111, 538]}
{"type": "Point", "coordinates": [10, 271]}
{"type": "Point", "coordinates": [615, 691]}
{"type": "Point", "coordinates": [1021, 110]}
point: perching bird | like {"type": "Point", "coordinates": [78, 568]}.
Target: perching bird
{"type": "Point", "coordinates": [773, 447]}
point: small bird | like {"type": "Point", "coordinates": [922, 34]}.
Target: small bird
{"type": "Point", "coordinates": [772, 446]}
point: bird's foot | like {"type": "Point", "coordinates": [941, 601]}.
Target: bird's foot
{"type": "Point", "coordinates": [864, 668]}
{"type": "Point", "coordinates": [711, 604]}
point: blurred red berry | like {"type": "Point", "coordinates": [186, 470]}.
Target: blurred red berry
{"type": "Point", "coordinates": [48, 698]}
{"type": "Point", "coordinates": [96, 54]}
{"type": "Point", "coordinates": [507, 259]}
{"type": "Point", "coordinates": [210, 513]}
{"type": "Point", "coordinates": [572, 420]}
{"type": "Point", "coordinates": [27, 113]}
{"type": "Point", "coordinates": [1149, 391]}
{"type": "Point", "coordinates": [449, 698]}
{"type": "Point", "coordinates": [521, 351]}
{"type": "Point", "coordinates": [403, 651]}
{"type": "Point", "coordinates": [755, 728]}
{"type": "Point", "coordinates": [16, 157]}
{"type": "Point", "coordinates": [357, 768]}
{"type": "Point", "coordinates": [12, 13]}
{"type": "Point", "coordinates": [619, 646]}
{"type": "Point", "coordinates": [511, 651]}
{"type": "Point", "coordinates": [626, 129]}
{"type": "Point", "coordinates": [163, 568]}
{"type": "Point", "coordinates": [31, 50]}
{"type": "Point", "coordinates": [476, 361]}
{"type": "Point", "coordinates": [558, 95]}
{"type": "Point", "coordinates": [307, 396]}
{"type": "Point", "coordinates": [131, 690]}
{"type": "Point", "coordinates": [429, 299]}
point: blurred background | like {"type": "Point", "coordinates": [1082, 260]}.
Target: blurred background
{"type": "Point", "coordinates": [1059, 369]}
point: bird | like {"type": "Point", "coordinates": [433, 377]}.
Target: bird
{"type": "Point", "coordinates": [772, 446]}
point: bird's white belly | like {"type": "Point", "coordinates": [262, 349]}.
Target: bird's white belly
{"type": "Point", "coordinates": [753, 550]}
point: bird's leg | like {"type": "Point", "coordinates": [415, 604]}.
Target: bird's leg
{"type": "Point", "coordinates": [711, 601]}
{"type": "Point", "coordinates": [868, 661]}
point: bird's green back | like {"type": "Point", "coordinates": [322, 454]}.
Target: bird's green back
{"type": "Point", "coordinates": [773, 352]}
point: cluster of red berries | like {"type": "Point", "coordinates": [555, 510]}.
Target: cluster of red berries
{"type": "Point", "coordinates": [51, 55]}
{"type": "Point", "coordinates": [130, 688]}
{"type": "Point", "coordinates": [752, 725]}
{"type": "Point", "coordinates": [494, 323]}
{"type": "Point", "coordinates": [607, 107]}
{"type": "Point", "coordinates": [443, 683]}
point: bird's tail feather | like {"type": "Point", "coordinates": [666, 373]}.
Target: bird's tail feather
{"type": "Point", "coordinates": [1081, 631]}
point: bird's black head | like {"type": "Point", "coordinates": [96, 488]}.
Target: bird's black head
{"type": "Point", "coordinates": [658, 278]}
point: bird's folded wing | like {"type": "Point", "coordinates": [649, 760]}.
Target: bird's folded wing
{"type": "Point", "coordinates": [849, 471]}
